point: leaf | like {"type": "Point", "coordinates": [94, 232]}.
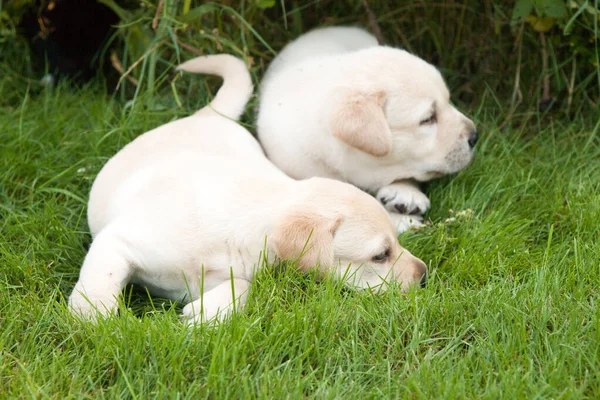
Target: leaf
{"type": "Point", "coordinates": [197, 12]}
{"type": "Point", "coordinates": [551, 8]}
{"type": "Point", "coordinates": [521, 11]}
{"type": "Point", "coordinates": [541, 24]}
{"type": "Point", "coordinates": [265, 3]}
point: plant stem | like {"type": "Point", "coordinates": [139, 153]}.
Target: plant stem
{"type": "Point", "coordinates": [546, 75]}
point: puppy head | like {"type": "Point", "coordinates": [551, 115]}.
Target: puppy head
{"type": "Point", "coordinates": [401, 114]}
{"type": "Point", "coordinates": [348, 234]}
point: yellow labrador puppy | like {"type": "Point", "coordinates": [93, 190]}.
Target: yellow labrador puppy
{"type": "Point", "coordinates": [335, 104]}
{"type": "Point", "coordinates": [187, 206]}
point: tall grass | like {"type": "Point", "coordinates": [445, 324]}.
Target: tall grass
{"type": "Point", "coordinates": [511, 308]}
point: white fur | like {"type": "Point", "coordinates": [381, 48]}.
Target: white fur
{"type": "Point", "coordinates": [192, 203]}
{"type": "Point", "coordinates": [403, 197]}
{"type": "Point", "coordinates": [331, 70]}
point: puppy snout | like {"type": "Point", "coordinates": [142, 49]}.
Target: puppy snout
{"type": "Point", "coordinates": [420, 272]}
{"type": "Point", "coordinates": [423, 282]}
{"type": "Point", "coordinates": [473, 139]}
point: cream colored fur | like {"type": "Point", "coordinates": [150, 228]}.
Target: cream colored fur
{"type": "Point", "coordinates": [335, 104]}
{"type": "Point", "coordinates": [192, 203]}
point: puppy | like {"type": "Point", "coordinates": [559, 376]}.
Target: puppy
{"type": "Point", "coordinates": [335, 104]}
{"type": "Point", "coordinates": [190, 205]}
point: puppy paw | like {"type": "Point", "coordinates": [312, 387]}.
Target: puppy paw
{"type": "Point", "coordinates": [90, 308]}
{"type": "Point", "coordinates": [403, 198]}
{"type": "Point", "coordinates": [192, 313]}
{"type": "Point", "coordinates": [404, 223]}
{"type": "Point", "coordinates": [217, 304]}
{"type": "Point", "coordinates": [196, 313]}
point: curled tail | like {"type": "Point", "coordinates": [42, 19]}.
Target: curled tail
{"type": "Point", "coordinates": [236, 90]}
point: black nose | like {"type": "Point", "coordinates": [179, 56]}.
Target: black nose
{"type": "Point", "coordinates": [473, 139]}
{"type": "Point", "coordinates": [424, 280]}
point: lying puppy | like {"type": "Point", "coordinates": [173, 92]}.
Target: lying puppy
{"type": "Point", "coordinates": [187, 206]}
{"type": "Point", "coordinates": [335, 104]}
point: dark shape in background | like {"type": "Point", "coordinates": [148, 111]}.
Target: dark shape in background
{"type": "Point", "coordinates": [68, 37]}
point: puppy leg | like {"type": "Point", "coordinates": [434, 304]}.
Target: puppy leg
{"type": "Point", "coordinates": [104, 273]}
{"type": "Point", "coordinates": [218, 302]}
{"type": "Point", "coordinates": [405, 222]}
{"type": "Point", "coordinates": [403, 197]}
{"type": "Point", "coordinates": [405, 203]}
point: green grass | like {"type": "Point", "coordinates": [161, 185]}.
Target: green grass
{"type": "Point", "coordinates": [511, 309]}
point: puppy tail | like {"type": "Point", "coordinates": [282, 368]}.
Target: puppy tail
{"type": "Point", "coordinates": [236, 90]}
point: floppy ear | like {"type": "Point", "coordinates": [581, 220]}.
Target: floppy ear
{"type": "Point", "coordinates": [359, 121]}
{"type": "Point", "coordinates": [305, 237]}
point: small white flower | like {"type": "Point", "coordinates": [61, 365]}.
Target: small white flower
{"type": "Point", "coordinates": [47, 80]}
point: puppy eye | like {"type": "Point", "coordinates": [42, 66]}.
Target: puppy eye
{"type": "Point", "coordinates": [429, 121]}
{"type": "Point", "coordinates": [381, 257]}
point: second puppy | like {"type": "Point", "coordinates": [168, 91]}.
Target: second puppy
{"type": "Point", "coordinates": [335, 104]}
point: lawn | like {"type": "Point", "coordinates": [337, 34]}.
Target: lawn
{"type": "Point", "coordinates": [510, 311]}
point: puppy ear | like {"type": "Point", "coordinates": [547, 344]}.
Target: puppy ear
{"type": "Point", "coordinates": [359, 121]}
{"type": "Point", "coordinates": [306, 237]}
